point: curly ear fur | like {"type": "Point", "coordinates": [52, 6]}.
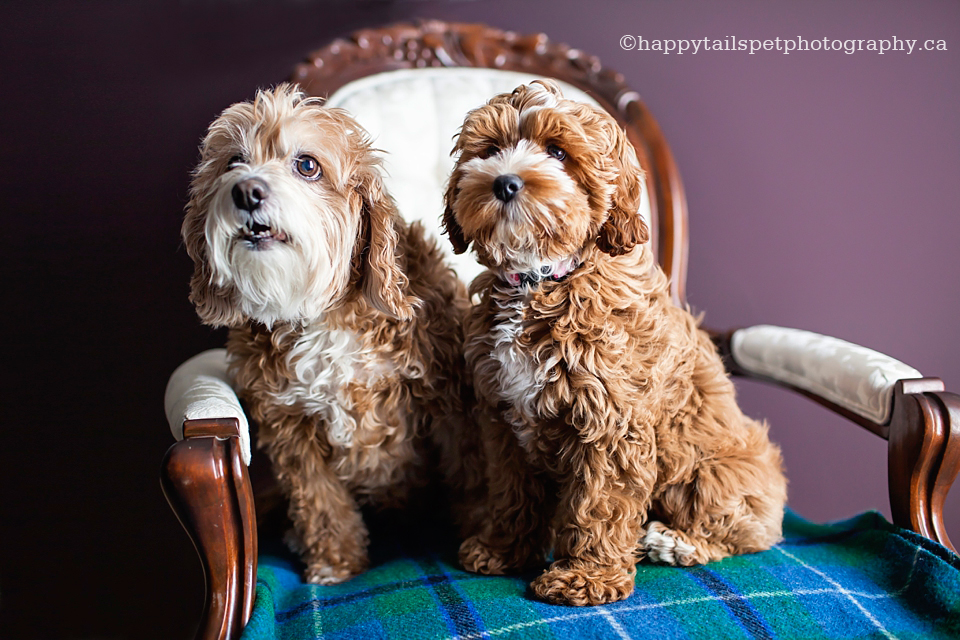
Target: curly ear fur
{"type": "Point", "coordinates": [624, 227]}
{"type": "Point", "coordinates": [450, 225]}
{"type": "Point", "coordinates": [384, 283]}
{"type": "Point", "coordinates": [214, 304]}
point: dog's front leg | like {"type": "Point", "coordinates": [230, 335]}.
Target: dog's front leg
{"type": "Point", "coordinates": [598, 524]}
{"type": "Point", "coordinates": [330, 534]}
{"type": "Point", "coordinates": [516, 527]}
{"type": "Point", "coordinates": [329, 526]}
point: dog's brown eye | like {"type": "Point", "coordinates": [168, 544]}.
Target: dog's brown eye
{"type": "Point", "coordinates": [234, 160]}
{"type": "Point", "coordinates": [556, 152]}
{"type": "Point", "coordinates": [489, 152]}
{"type": "Point", "coordinates": [309, 168]}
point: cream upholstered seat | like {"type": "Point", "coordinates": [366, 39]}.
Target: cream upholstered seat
{"type": "Point", "coordinates": [412, 115]}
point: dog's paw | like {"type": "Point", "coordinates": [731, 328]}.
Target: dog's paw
{"type": "Point", "coordinates": [477, 557]}
{"type": "Point", "coordinates": [334, 566]}
{"type": "Point", "coordinates": [582, 584]}
{"type": "Point", "coordinates": [294, 542]}
{"type": "Point", "coordinates": [327, 575]}
{"type": "Point", "coordinates": [663, 546]}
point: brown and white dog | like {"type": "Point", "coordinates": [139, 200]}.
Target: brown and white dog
{"type": "Point", "coordinates": [346, 324]}
{"type": "Point", "coordinates": [610, 427]}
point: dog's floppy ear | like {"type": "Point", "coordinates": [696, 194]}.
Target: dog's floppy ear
{"type": "Point", "coordinates": [383, 280]}
{"type": "Point", "coordinates": [214, 304]}
{"type": "Point", "coordinates": [624, 227]}
{"type": "Point", "coordinates": [450, 225]}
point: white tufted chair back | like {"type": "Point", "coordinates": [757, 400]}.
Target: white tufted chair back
{"type": "Point", "coordinates": [413, 115]}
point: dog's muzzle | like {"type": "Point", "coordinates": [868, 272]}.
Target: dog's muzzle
{"type": "Point", "coordinates": [248, 194]}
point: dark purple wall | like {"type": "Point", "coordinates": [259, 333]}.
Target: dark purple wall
{"type": "Point", "coordinates": [822, 187]}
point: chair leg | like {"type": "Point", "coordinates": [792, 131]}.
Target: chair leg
{"type": "Point", "coordinates": [949, 408]}
{"type": "Point", "coordinates": [923, 455]}
{"type": "Point", "coordinates": [208, 487]}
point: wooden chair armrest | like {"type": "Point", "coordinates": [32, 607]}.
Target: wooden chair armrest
{"type": "Point", "coordinates": [208, 487]}
{"type": "Point", "coordinates": [923, 451]}
{"type": "Point", "coordinates": [923, 436]}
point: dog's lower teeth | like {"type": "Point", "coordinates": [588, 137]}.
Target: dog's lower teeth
{"type": "Point", "coordinates": [262, 232]}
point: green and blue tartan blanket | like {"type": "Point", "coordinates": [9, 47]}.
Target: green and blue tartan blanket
{"type": "Point", "coordinates": [861, 578]}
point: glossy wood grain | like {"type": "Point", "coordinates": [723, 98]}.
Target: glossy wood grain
{"type": "Point", "coordinates": [924, 455]}
{"type": "Point", "coordinates": [206, 483]}
{"type": "Point", "coordinates": [949, 463]}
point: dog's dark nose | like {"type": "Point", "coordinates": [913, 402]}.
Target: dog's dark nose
{"type": "Point", "coordinates": [505, 187]}
{"type": "Point", "coordinates": [249, 194]}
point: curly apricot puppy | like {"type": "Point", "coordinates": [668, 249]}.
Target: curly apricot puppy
{"type": "Point", "coordinates": [346, 336]}
{"type": "Point", "coordinates": [611, 429]}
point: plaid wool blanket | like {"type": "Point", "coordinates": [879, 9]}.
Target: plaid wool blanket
{"type": "Point", "coordinates": [861, 578]}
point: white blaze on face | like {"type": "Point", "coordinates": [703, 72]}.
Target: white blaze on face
{"type": "Point", "coordinates": [292, 279]}
{"type": "Point", "coordinates": [521, 220]}
{"type": "Point", "coordinates": [545, 97]}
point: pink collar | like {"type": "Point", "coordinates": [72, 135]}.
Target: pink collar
{"type": "Point", "coordinates": [552, 271]}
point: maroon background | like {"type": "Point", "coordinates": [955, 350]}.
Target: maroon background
{"type": "Point", "coordinates": [823, 194]}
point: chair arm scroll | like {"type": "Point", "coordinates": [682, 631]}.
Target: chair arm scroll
{"type": "Point", "coordinates": [201, 389]}
{"type": "Point", "coordinates": [923, 455]}
{"type": "Point", "coordinates": [205, 480]}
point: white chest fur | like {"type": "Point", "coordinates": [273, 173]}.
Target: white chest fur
{"type": "Point", "coordinates": [324, 363]}
{"type": "Point", "coordinates": [518, 379]}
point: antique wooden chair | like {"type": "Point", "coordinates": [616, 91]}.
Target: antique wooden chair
{"type": "Point", "coordinates": [411, 85]}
